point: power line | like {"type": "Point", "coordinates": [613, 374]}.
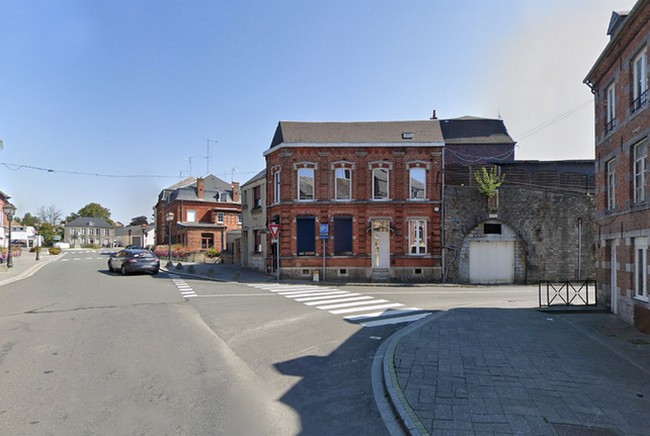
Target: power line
{"type": "Point", "coordinates": [17, 167]}
{"type": "Point", "coordinates": [550, 122]}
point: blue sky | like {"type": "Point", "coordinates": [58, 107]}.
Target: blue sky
{"type": "Point", "coordinates": [128, 90]}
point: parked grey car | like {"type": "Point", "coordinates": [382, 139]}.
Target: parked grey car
{"type": "Point", "coordinates": [134, 260]}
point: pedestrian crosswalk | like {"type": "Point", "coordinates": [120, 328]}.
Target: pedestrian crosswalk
{"type": "Point", "coordinates": [354, 307]}
{"type": "Point", "coordinates": [185, 289]}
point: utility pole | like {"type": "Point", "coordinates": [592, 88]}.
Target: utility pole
{"type": "Point", "coordinates": [207, 157]}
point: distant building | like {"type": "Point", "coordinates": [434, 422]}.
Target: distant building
{"type": "Point", "coordinates": [254, 226]}
{"type": "Point", "coordinates": [204, 210]}
{"type": "Point", "coordinates": [87, 231]}
{"type": "Point", "coordinates": [135, 235]}
{"type": "Point", "coordinates": [619, 82]}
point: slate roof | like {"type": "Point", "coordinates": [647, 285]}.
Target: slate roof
{"type": "Point", "coordinates": [475, 130]}
{"type": "Point", "coordinates": [258, 176]}
{"type": "Point", "coordinates": [84, 221]}
{"type": "Point", "coordinates": [215, 190]}
{"type": "Point", "coordinates": [367, 132]}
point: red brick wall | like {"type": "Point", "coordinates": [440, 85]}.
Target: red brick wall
{"type": "Point", "coordinates": [398, 209]}
{"type": "Point", "coordinates": [627, 220]}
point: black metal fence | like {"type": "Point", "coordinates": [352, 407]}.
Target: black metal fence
{"type": "Point", "coordinates": [568, 293]}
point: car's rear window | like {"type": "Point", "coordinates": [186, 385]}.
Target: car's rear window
{"type": "Point", "coordinates": [143, 254]}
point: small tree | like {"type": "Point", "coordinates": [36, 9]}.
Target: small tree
{"type": "Point", "coordinates": [488, 181]}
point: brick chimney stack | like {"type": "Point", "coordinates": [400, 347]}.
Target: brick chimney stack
{"type": "Point", "coordinates": [236, 192]}
{"type": "Point", "coordinates": [200, 188]}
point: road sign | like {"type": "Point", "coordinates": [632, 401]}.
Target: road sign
{"type": "Point", "coordinates": [324, 231]}
{"type": "Point", "coordinates": [275, 230]}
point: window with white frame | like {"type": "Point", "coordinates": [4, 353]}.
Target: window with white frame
{"type": "Point", "coordinates": [343, 183]}
{"type": "Point", "coordinates": [417, 236]}
{"type": "Point", "coordinates": [641, 268]}
{"type": "Point", "coordinates": [306, 184]}
{"type": "Point", "coordinates": [417, 183]}
{"type": "Point", "coordinates": [610, 116]}
{"type": "Point", "coordinates": [380, 183]}
{"type": "Point", "coordinates": [611, 184]}
{"type": "Point", "coordinates": [640, 80]}
{"type": "Point", "coordinates": [220, 217]}
{"type": "Point", "coordinates": [276, 187]}
{"type": "Point", "coordinates": [639, 167]}
{"type": "Point", "coordinates": [191, 215]}
{"type": "Point", "coordinates": [239, 219]}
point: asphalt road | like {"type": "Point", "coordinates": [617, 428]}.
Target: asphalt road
{"type": "Point", "coordinates": [85, 351]}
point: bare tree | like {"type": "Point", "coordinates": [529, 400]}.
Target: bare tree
{"type": "Point", "coordinates": [49, 214]}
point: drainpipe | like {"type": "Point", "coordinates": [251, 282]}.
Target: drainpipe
{"type": "Point", "coordinates": [579, 248]}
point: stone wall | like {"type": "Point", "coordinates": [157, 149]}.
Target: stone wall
{"type": "Point", "coordinates": [545, 225]}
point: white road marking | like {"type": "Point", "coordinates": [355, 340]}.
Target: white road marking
{"type": "Point", "coordinates": [360, 309]}
{"type": "Point", "coordinates": [326, 297]}
{"type": "Point", "coordinates": [356, 303]}
{"type": "Point", "coordinates": [339, 300]}
{"type": "Point", "coordinates": [397, 320]}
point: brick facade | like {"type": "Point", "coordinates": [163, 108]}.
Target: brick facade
{"type": "Point", "coordinates": [622, 126]}
{"type": "Point", "coordinates": [396, 156]}
{"type": "Point", "coordinates": [205, 210]}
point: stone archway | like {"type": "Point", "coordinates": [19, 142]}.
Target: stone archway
{"type": "Point", "coordinates": [492, 253]}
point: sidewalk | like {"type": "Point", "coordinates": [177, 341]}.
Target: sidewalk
{"type": "Point", "coordinates": [221, 272]}
{"type": "Point", "coordinates": [24, 266]}
{"type": "Point", "coordinates": [520, 371]}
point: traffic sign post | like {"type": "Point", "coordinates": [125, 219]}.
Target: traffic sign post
{"type": "Point", "coordinates": [324, 235]}
{"type": "Point", "coordinates": [275, 233]}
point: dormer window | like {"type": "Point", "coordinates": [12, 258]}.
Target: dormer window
{"type": "Point", "coordinates": [407, 135]}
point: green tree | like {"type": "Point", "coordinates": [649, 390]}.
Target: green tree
{"type": "Point", "coordinates": [29, 219]}
{"type": "Point", "coordinates": [94, 210]}
{"type": "Point", "coordinates": [48, 232]}
{"type": "Point", "coordinates": [488, 181]}
{"type": "Point", "coordinates": [138, 220]}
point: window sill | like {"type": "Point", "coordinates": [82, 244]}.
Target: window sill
{"type": "Point", "coordinates": [641, 298]}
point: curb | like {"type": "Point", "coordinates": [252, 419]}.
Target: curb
{"type": "Point", "coordinates": [29, 271]}
{"type": "Point", "coordinates": [393, 406]}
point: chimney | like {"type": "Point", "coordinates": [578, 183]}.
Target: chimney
{"type": "Point", "coordinates": [200, 188]}
{"type": "Point", "coordinates": [434, 116]}
{"type": "Point", "coordinates": [236, 192]}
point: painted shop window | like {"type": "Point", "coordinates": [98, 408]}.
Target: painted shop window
{"type": "Point", "coordinates": [417, 236]}
{"type": "Point", "coordinates": [611, 184]}
{"type": "Point", "coordinates": [417, 177]}
{"type": "Point", "coordinates": [639, 166]}
{"type": "Point", "coordinates": [380, 179]}
{"type": "Point", "coordinates": [305, 184]}
{"type": "Point", "coordinates": [306, 235]}
{"type": "Point", "coordinates": [343, 183]}
{"type": "Point", "coordinates": [342, 235]}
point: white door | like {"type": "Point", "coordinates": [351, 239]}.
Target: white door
{"type": "Point", "coordinates": [492, 262]}
{"type": "Point", "coordinates": [613, 278]}
{"type": "Point", "coordinates": [380, 245]}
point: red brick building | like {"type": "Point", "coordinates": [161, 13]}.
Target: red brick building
{"type": "Point", "coordinates": [205, 210]}
{"type": "Point", "coordinates": [619, 81]}
{"type": "Point", "coordinates": [373, 189]}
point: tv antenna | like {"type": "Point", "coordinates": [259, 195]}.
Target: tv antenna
{"type": "Point", "coordinates": [207, 157]}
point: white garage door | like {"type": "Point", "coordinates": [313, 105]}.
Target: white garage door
{"type": "Point", "coordinates": [491, 262]}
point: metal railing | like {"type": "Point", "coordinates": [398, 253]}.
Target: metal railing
{"type": "Point", "coordinates": [568, 293]}
{"type": "Point", "coordinates": [640, 101]}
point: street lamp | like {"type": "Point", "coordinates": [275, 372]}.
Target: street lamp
{"type": "Point", "coordinates": [169, 218]}
{"type": "Point", "coordinates": [37, 226]}
{"type": "Point", "coordinates": [143, 226]}
{"type": "Point", "coordinates": [9, 209]}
